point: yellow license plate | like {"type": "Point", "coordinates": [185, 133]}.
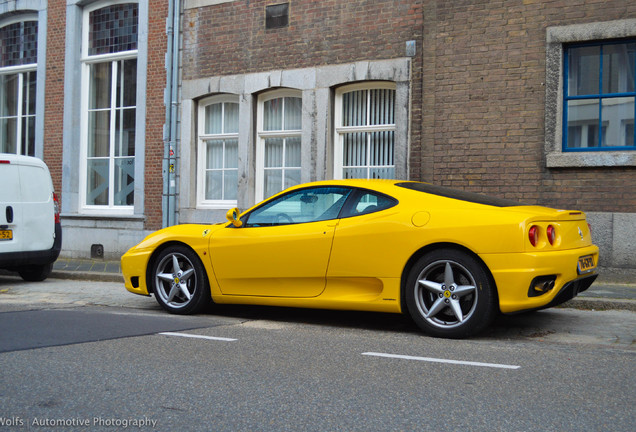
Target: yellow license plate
{"type": "Point", "coordinates": [6, 235]}
{"type": "Point", "coordinates": [586, 264]}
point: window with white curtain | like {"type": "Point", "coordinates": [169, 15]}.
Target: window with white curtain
{"type": "Point", "coordinates": [18, 63]}
{"type": "Point", "coordinates": [218, 152]}
{"type": "Point", "coordinates": [365, 131]}
{"type": "Point", "coordinates": [279, 142]}
{"type": "Point", "coordinates": [110, 75]}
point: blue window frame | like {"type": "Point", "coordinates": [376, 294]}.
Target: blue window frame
{"type": "Point", "coordinates": [599, 96]}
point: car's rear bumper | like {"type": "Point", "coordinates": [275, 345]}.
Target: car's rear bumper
{"type": "Point", "coordinates": [571, 290]}
{"type": "Point", "coordinates": [514, 274]}
{"type": "Point", "coordinates": [13, 260]}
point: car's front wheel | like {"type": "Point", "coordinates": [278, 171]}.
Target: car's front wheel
{"type": "Point", "coordinates": [179, 281]}
{"type": "Point", "coordinates": [449, 294]}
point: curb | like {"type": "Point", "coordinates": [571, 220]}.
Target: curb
{"type": "Point", "coordinates": [87, 276]}
{"type": "Point", "coordinates": [600, 304]}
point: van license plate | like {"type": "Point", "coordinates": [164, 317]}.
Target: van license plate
{"type": "Point", "coordinates": [6, 235]}
{"type": "Point", "coordinates": [586, 264]}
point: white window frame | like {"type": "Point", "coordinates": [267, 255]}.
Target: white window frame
{"type": "Point", "coordinates": [202, 137]}
{"type": "Point", "coordinates": [262, 135]}
{"type": "Point", "coordinates": [21, 71]}
{"type": "Point", "coordinates": [340, 130]}
{"type": "Point", "coordinates": [86, 62]}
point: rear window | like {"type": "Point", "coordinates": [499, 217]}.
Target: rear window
{"type": "Point", "coordinates": [458, 194]}
{"type": "Point", "coordinates": [24, 183]}
{"type": "Point", "coordinates": [10, 189]}
{"type": "Point", "coordinates": [34, 183]}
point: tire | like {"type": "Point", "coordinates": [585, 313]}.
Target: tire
{"type": "Point", "coordinates": [179, 281]}
{"type": "Point", "coordinates": [35, 273]}
{"type": "Point", "coordinates": [449, 294]}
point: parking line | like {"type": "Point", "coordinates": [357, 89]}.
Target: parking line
{"type": "Point", "coordinates": [437, 360]}
{"type": "Point", "coordinates": [194, 336]}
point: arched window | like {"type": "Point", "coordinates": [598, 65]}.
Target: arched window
{"type": "Point", "coordinates": [18, 63]}
{"type": "Point", "coordinates": [278, 146]}
{"type": "Point", "coordinates": [109, 60]}
{"type": "Point", "coordinates": [365, 131]}
{"type": "Point", "coordinates": [217, 173]}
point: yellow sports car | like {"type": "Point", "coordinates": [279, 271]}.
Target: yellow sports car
{"type": "Point", "coordinates": [451, 259]}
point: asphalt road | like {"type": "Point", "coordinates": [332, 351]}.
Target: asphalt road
{"type": "Point", "coordinates": [88, 356]}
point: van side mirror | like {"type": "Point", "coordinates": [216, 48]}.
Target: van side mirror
{"type": "Point", "coordinates": [233, 215]}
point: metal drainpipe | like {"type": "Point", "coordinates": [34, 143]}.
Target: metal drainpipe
{"type": "Point", "coordinates": [171, 151]}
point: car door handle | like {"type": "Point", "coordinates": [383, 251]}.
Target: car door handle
{"type": "Point", "coordinates": [9, 214]}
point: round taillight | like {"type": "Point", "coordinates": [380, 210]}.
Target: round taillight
{"type": "Point", "coordinates": [551, 232]}
{"type": "Point", "coordinates": [533, 235]}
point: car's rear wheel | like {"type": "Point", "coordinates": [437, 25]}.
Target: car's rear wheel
{"type": "Point", "coordinates": [449, 294]}
{"type": "Point", "coordinates": [35, 273]}
{"type": "Point", "coordinates": [179, 281]}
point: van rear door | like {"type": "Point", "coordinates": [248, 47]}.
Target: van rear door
{"type": "Point", "coordinates": [9, 203]}
{"type": "Point", "coordinates": [27, 199]}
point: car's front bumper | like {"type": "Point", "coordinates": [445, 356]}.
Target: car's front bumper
{"type": "Point", "coordinates": [133, 266]}
{"type": "Point", "coordinates": [514, 274]}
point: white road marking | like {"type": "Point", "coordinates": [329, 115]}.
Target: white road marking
{"type": "Point", "coordinates": [437, 360]}
{"type": "Point", "coordinates": [194, 336]}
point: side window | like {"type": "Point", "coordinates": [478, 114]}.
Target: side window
{"type": "Point", "coordinates": [300, 206]}
{"type": "Point", "coordinates": [368, 202]}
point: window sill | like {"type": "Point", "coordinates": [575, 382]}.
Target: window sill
{"type": "Point", "coordinates": [216, 205]}
{"type": "Point", "coordinates": [590, 159]}
{"type": "Point", "coordinates": [113, 222]}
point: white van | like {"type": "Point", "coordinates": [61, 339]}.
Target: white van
{"type": "Point", "coordinates": [30, 230]}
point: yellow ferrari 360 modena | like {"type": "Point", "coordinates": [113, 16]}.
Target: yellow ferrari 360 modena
{"type": "Point", "coordinates": [450, 259]}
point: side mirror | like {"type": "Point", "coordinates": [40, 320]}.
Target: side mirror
{"type": "Point", "coordinates": [233, 215]}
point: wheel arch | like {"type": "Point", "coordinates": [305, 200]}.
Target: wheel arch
{"type": "Point", "coordinates": [437, 246]}
{"type": "Point", "coordinates": [153, 258]}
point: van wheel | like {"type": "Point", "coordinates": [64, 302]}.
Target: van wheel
{"type": "Point", "coordinates": [35, 273]}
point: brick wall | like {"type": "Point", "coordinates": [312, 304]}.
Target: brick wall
{"type": "Point", "coordinates": [155, 113]}
{"type": "Point", "coordinates": [488, 80]}
{"type": "Point", "coordinates": [230, 38]}
{"type": "Point", "coordinates": [54, 96]}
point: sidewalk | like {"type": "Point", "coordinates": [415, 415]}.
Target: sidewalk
{"type": "Point", "coordinates": [614, 288]}
{"type": "Point", "coordinates": [87, 269]}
